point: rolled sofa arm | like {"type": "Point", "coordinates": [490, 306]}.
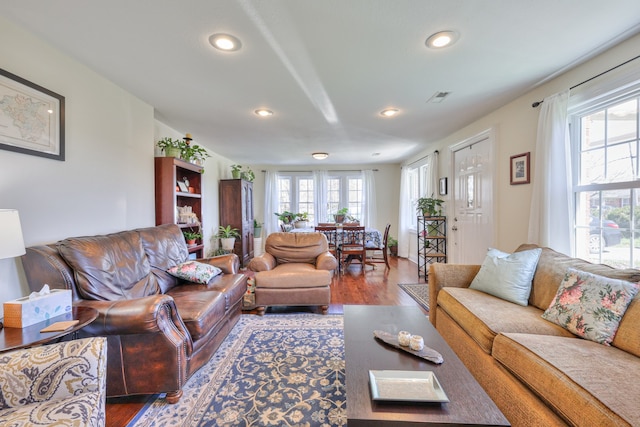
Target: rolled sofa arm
{"type": "Point", "coordinates": [326, 261]}
{"type": "Point", "coordinates": [449, 275]}
{"type": "Point", "coordinates": [264, 262]}
{"type": "Point", "coordinates": [79, 382]}
{"type": "Point", "coordinates": [229, 263]}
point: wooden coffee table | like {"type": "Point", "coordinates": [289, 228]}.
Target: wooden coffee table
{"type": "Point", "coordinates": [468, 403]}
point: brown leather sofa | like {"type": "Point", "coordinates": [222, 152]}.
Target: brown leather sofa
{"type": "Point", "coordinates": [294, 270]}
{"type": "Point", "coordinates": [159, 329]}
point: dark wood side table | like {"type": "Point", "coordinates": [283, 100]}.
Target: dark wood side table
{"type": "Point", "coordinates": [16, 338]}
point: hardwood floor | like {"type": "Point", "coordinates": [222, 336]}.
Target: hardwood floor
{"type": "Point", "coordinates": [375, 287]}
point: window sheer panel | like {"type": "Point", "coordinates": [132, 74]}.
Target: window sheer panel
{"type": "Point", "coordinates": [306, 199]}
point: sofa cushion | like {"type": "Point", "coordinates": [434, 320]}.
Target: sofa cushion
{"type": "Point", "coordinates": [194, 271]}
{"type": "Point", "coordinates": [507, 276]}
{"type": "Point", "coordinates": [587, 383]}
{"type": "Point", "coordinates": [590, 306]}
{"type": "Point", "coordinates": [553, 265]}
{"type": "Point", "coordinates": [628, 336]}
{"type": "Point", "coordinates": [200, 311]}
{"type": "Point", "coordinates": [296, 247]}
{"type": "Point", "coordinates": [476, 313]}
{"type": "Point", "coordinates": [165, 247]}
{"type": "Point", "coordinates": [111, 267]}
{"type": "Point", "coordinates": [293, 275]}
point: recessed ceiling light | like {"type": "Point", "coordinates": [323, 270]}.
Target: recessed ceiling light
{"type": "Point", "coordinates": [225, 42]}
{"type": "Point", "coordinates": [389, 112]}
{"type": "Point", "coordinates": [262, 112]}
{"type": "Point", "coordinates": [320, 156]}
{"type": "Point", "coordinates": [442, 39]}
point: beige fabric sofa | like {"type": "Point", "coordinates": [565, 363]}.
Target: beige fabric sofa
{"type": "Point", "coordinates": [538, 373]}
{"type": "Point", "coordinates": [294, 270]}
{"type": "Point", "coordinates": [63, 384]}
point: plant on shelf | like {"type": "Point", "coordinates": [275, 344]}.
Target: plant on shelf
{"type": "Point", "coordinates": [171, 147]}
{"type": "Point", "coordinates": [340, 215]}
{"type": "Point", "coordinates": [191, 236]}
{"type": "Point", "coordinates": [247, 174]}
{"type": "Point", "coordinates": [257, 228]}
{"type": "Point", "coordinates": [227, 236]}
{"type": "Point", "coordinates": [194, 154]}
{"type": "Point", "coordinates": [428, 206]}
{"type": "Point", "coordinates": [286, 217]}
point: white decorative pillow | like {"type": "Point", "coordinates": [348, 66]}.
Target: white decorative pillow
{"type": "Point", "coordinates": [507, 276]}
{"type": "Point", "coordinates": [590, 306]}
{"type": "Point", "coordinates": [194, 271]}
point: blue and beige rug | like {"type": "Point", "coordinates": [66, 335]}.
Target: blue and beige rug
{"type": "Point", "coordinates": [417, 291]}
{"type": "Point", "coordinates": [274, 370]}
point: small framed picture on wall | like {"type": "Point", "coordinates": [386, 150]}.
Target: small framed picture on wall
{"type": "Point", "coordinates": [443, 186]}
{"type": "Point", "coordinates": [519, 167]}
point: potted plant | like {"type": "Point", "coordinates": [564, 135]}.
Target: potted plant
{"type": "Point", "coordinates": [227, 236]}
{"type": "Point", "coordinates": [191, 237]}
{"type": "Point", "coordinates": [171, 147]}
{"type": "Point", "coordinates": [392, 243]}
{"type": "Point", "coordinates": [194, 154]}
{"type": "Point", "coordinates": [340, 215]}
{"type": "Point", "coordinates": [247, 175]}
{"type": "Point", "coordinates": [257, 229]}
{"type": "Point", "coordinates": [286, 217]}
{"type": "Point", "coordinates": [301, 220]}
{"type": "Point", "coordinates": [235, 171]}
{"type": "Point", "coordinates": [428, 206]}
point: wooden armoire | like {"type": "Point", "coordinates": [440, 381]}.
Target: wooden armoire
{"type": "Point", "coordinates": [236, 210]}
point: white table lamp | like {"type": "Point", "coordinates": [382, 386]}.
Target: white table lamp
{"type": "Point", "coordinates": [11, 242]}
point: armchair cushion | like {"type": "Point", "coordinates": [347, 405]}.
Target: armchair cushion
{"type": "Point", "coordinates": [293, 276]}
{"type": "Point", "coordinates": [59, 384]}
{"type": "Point", "coordinates": [296, 247]}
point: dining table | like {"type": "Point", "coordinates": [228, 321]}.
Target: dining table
{"type": "Point", "coordinates": [372, 236]}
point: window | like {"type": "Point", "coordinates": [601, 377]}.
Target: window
{"type": "Point", "coordinates": [296, 193]}
{"type": "Point", "coordinates": [605, 143]}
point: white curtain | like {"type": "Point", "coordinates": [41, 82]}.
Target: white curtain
{"type": "Point", "coordinates": [369, 199]}
{"type": "Point", "coordinates": [431, 188]}
{"type": "Point", "coordinates": [406, 210]}
{"type": "Point", "coordinates": [550, 221]}
{"type": "Point", "coordinates": [320, 205]}
{"type": "Point", "coordinates": [270, 203]}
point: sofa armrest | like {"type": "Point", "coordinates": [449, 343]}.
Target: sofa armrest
{"type": "Point", "coordinates": [326, 261]}
{"type": "Point", "coordinates": [80, 368]}
{"type": "Point", "coordinates": [229, 263]}
{"type": "Point", "coordinates": [263, 262]}
{"type": "Point", "coordinates": [449, 275]}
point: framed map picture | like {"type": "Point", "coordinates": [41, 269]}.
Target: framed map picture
{"type": "Point", "coordinates": [31, 118]}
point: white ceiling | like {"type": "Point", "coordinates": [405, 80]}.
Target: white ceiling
{"type": "Point", "coordinates": [326, 68]}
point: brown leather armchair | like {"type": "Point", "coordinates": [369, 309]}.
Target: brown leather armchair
{"type": "Point", "coordinates": [159, 329]}
{"type": "Point", "coordinates": [295, 269]}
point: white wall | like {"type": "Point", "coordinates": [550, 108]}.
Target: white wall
{"type": "Point", "coordinates": [515, 126]}
{"type": "Point", "coordinates": [106, 182]}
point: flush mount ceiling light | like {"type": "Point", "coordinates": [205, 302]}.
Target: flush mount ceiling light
{"type": "Point", "coordinates": [320, 156]}
{"type": "Point", "coordinates": [262, 112]}
{"type": "Point", "coordinates": [225, 42]}
{"type": "Point", "coordinates": [442, 39]}
{"type": "Point", "coordinates": [389, 112]}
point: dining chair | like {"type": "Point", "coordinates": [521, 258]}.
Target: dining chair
{"type": "Point", "coordinates": [384, 248]}
{"type": "Point", "coordinates": [351, 247]}
{"type": "Point", "coordinates": [332, 238]}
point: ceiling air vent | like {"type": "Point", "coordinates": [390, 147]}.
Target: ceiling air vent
{"type": "Point", "coordinates": [438, 97]}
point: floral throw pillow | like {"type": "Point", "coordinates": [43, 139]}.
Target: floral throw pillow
{"type": "Point", "coordinates": [194, 271]}
{"type": "Point", "coordinates": [590, 306]}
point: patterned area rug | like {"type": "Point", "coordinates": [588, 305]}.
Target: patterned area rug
{"type": "Point", "coordinates": [274, 370]}
{"type": "Point", "coordinates": [417, 291]}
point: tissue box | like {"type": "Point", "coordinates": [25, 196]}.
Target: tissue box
{"type": "Point", "coordinates": [24, 312]}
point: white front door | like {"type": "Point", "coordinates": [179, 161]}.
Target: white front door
{"type": "Point", "coordinates": [472, 228]}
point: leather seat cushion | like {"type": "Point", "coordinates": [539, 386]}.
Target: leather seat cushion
{"type": "Point", "coordinates": [293, 276]}
{"type": "Point", "coordinates": [200, 311]}
{"type": "Point", "coordinates": [111, 267]}
{"type": "Point", "coordinates": [233, 286]}
{"type": "Point", "coordinates": [475, 312]}
{"type": "Point", "coordinates": [574, 376]}
{"type": "Point", "coordinates": [296, 247]}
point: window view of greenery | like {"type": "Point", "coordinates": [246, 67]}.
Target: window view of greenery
{"type": "Point", "coordinates": [607, 192]}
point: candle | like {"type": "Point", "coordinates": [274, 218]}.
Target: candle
{"type": "Point", "coordinates": [416, 343]}
{"type": "Point", "coordinates": [404, 338]}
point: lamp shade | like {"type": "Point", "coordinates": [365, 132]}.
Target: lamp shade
{"type": "Point", "coordinates": [11, 242]}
